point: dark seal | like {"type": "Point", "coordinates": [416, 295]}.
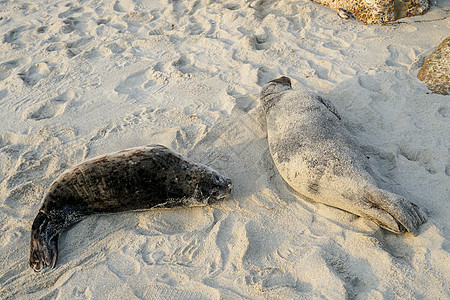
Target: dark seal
{"type": "Point", "coordinates": [318, 158]}
{"type": "Point", "coordinates": [132, 179]}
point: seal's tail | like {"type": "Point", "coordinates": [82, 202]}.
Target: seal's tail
{"type": "Point", "coordinates": [44, 243]}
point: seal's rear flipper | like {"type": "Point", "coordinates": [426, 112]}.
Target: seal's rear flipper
{"type": "Point", "coordinates": [44, 243]}
{"type": "Point", "coordinates": [401, 214]}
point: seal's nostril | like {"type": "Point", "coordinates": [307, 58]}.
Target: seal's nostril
{"type": "Point", "coordinates": [216, 179]}
{"type": "Point", "coordinates": [229, 184]}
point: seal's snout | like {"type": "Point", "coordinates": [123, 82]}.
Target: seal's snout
{"type": "Point", "coordinates": [222, 188]}
{"type": "Point", "coordinates": [228, 186]}
{"type": "Point", "coordinates": [225, 185]}
{"type": "Point", "coordinates": [229, 183]}
{"type": "Point", "coordinates": [221, 180]}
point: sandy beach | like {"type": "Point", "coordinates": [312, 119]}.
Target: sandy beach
{"type": "Point", "coordinates": [84, 78]}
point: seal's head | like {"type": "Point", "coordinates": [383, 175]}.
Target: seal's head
{"type": "Point", "coordinates": [201, 184]}
{"type": "Point", "coordinates": [214, 186]}
{"type": "Point", "coordinates": [283, 80]}
{"type": "Point", "coordinates": [221, 189]}
{"type": "Point", "coordinates": [273, 88]}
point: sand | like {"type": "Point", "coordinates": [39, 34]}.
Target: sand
{"type": "Point", "coordinates": [83, 78]}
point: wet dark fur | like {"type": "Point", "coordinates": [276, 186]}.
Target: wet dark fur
{"type": "Point", "coordinates": [132, 179]}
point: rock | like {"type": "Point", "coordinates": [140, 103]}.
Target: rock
{"type": "Point", "coordinates": [436, 69]}
{"type": "Point", "coordinates": [379, 11]}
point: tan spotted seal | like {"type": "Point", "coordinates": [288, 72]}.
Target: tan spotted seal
{"type": "Point", "coordinates": [133, 179]}
{"type": "Point", "coordinates": [318, 158]}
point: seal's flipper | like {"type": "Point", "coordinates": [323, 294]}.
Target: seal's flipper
{"type": "Point", "coordinates": [407, 215]}
{"type": "Point", "coordinates": [330, 106]}
{"type": "Point", "coordinates": [44, 243]}
{"type": "Point", "coordinates": [383, 219]}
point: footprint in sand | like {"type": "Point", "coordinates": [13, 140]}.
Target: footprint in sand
{"type": "Point", "coordinates": [322, 70]}
{"type": "Point", "coordinates": [271, 278]}
{"type": "Point", "coordinates": [183, 64]}
{"type": "Point", "coordinates": [35, 73]}
{"type": "Point", "coordinates": [242, 100]}
{"type": "Point", "coordinates": [260, 42]}
{"type": "Point", "coordinates": [263, 75]}
{"type": "Point", "coordinates": [123, 265]}
{"type": "Point", "coordinates": [232, 6]}
{"type": "Point", "coordinates": [49, 109]}
{"type": "Point", "coordinates": [30, 166]}
{"type": "Point", "coordinates": [443, 113]}
{"type": "Point", "coordinates": [370, 83]}
{"type": "Point", "coordinates": [123, 5]}
{"type": "Point", "coordinates": [13, 35]}
{"type": "Point", "coordinates": [261, 39]}
{"type": "Point", "coordinates": [71, 24]}
{"type": "Point", "coordinates": [46, 111]}
{"type": "Point", "coordinates": [41, 29]}
{"type": "Point", "coordinates": [70, 11]}
{"type": "Point", "coordinates": [129, 120]}
{"type": "Point", "coordinates": [3, 93]}
{"type": "Point", "coordinates": [401, 56]}
{"type": "Point", "coordinates": [26, 168]}
{"type": "Point", "coordinates": [422, 156]}
{"type": "Point", "coordinates": [75, 48]}
{"type": "Point", "coordinates": [135, 84]}
{"type": "Point", "coordinates": [7, 67]}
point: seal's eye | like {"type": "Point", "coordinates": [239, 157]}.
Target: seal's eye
{"type": "Point", "coordinates": [217, 179]}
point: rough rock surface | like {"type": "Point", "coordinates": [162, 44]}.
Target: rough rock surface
{"type": "Point", "coordinates": [379, 11]}
{"type": "Point", "coordinates": [436, 70]}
